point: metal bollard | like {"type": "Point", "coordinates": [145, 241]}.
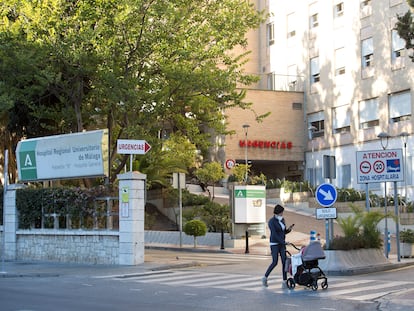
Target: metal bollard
{"type": "Point", "coordinates": [389, 242]}
{"type": "Point", "coordinates": [247, 242]}
{"type": "Point", "coordinates": [222, 239]}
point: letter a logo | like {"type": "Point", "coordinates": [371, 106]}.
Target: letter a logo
{"type": "Point", "coordinates": [28, 169]}
{"type": "Point", "coordinates": [28, 161]}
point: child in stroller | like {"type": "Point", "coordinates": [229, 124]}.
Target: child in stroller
{"type": "Point", "coordinates": [303, 267]}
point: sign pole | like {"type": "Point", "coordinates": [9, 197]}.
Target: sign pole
{"type": "Point", "coordinates": [397, 221]}
{"type": "Point", "coordinates": [386, 222]}
{"type": "Point", "coordinates": [180, 203]}
{"type": "Point", "coordinates": [6, 181]}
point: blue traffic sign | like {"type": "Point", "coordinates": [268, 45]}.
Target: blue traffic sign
{"type": "Point", "coordinates": [326, 195]}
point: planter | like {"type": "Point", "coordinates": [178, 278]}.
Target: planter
{"type": "Point", "coordinates": [352, 261]}
{"type": "Point", "coordinates": [406, 250]}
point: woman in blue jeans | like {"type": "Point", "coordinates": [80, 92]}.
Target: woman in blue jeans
{"type": "Point", "coordinates": [278, 231]}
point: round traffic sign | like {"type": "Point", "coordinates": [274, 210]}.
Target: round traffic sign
{"type": "Point", "coordinates": [326, 195]}
{"type": "Point", "coordinates": [230, 164]}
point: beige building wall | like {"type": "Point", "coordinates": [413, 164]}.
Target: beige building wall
{"type": "Point", "coordinates": [342, 25]}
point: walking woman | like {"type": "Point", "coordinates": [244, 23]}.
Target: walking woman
{"type": "Point", "coordinates": [278, 231]}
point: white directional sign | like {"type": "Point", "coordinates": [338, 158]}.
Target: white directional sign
{"type": "Point", "coordinates": [326, 213]}
{"type": "Point", "coordinates": [375, 166]}
{"type": "Point", "coordinates": [74, 155]}
{"type": "Point", "coordinates": [128, 146]}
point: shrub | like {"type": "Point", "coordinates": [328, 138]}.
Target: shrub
{"type": "Point", "coordinates": [195, 228]}
{"type": "Point", "coordinates": [360, 230]}
{"type": "Point", "coordinates": [407, 236]}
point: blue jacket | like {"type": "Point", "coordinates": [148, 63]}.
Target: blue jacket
{"type": "Point", "coordinates": [277, 234]}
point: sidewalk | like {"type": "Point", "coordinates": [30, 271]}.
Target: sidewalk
{"type": "Point", "coordinates": [299, 216]}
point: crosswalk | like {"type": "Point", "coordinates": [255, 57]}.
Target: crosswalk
{"type": "Point", "coordinates": [340, 287]}
{"type": "Point", "coordinates": [219, 259]}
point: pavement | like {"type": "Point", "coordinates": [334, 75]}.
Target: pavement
{"type": "Point", "coordinates": [300, 236]}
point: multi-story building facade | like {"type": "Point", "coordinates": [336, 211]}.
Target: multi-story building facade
{"type": "Point", "coordinates": [356, 78]}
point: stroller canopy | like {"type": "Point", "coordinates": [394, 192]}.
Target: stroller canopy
{"type": "Point", "coordinates": [313, 251]}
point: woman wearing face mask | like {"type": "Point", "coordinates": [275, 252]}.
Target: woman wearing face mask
{"type": "Point", "coordinates": [278, 230]}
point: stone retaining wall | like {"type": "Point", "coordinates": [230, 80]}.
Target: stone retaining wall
{"type": "Point", "coordinates": [75, 246]}
{"type": "Point", "coordinates": [95, 247]}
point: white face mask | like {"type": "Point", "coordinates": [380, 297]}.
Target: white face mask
{"type": "Point", "coordinates": [279, 217]}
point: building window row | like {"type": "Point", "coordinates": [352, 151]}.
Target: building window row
{"type": "Point", "coordinates": [367, 56]}
{"type": "Point", "coordinates": [399, 109]}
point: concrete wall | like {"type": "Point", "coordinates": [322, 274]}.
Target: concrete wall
{"type": "Point", "coordinates": [75, 246]}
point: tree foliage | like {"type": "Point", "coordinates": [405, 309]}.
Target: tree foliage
{"type": "Point", "coordinates": [139, 68]}
{"type": "Point", "coordinates": [405, 28]}
{"type": "Point", "coordinates": [195, 228]}
{"type": "Point", "coordinates": [210, 174]}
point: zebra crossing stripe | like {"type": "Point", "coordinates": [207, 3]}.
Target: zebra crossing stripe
{"type": "Point", "coordinates": [200, 280]}
{"type": "Point", "coordinates": [358, 289]}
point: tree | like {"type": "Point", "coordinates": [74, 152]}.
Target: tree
{"type": "Point", "coordinates": [195, 228]}
{"type": "Point", "coordinates": [217, 216]}
{"type": "Point", "coordinates": [405, 28]}
{"type": "Point", "coordinates": [139, 68]}
{"type": "Point", "coordinates": [239, 172]}
{"type": "Point", "coordinates": [210, 174]}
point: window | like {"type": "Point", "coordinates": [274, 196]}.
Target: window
{"type": "Point", "coordinates": [313, 22]}
{"type": "Point", "coordinates": [341, 119]}
{"type": "Point", "coordinates": [317, 122]}
{"type": "Point", "coordinates": [291, 25]}
{"type": "Point", "coordinates": [398, 45]}
{"type": "Point", "coordinates": [314, 68]}
{"type": "Point", "coordinates": [345, 172]}
{"type": "Point", "coordinates": [270, 33]}
{"type": "Point", "coordinates": [368, 113]}
{"type": "Point", "coordinates": [399, 106]}
{"type": "Point", "coordinates": [315, 176]}
{"type": "Point", "coordinates": [367, 50]}
{"type": "Point", "coordinates": [339, 9]}
{"type": "Point", "coordinates": [408, 173]}
{"type": "Point", "coordinates": [339, 61]}
{"type": "Point", "coordinates": [366, 8]}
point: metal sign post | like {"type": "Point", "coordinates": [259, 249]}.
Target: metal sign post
{"type": "Point", "coordinates": [6, 181]}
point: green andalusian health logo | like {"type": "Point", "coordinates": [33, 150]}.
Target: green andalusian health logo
{"type": "Point", "coordinates": [27, 161]}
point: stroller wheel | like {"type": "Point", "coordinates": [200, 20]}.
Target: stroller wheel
{"type": "Point", "coordinates": [315, 286]}
{"type": "Point", "coordinates": [290, 283]}
{"type": "Point", "coordinates": [324, 284]}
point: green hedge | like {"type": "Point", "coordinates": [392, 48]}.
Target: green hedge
{"type": "Point", "coordinates": [38, 207]}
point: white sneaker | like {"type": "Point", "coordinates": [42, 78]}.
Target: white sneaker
{"type": "Point", "coordinates": [264, 281]}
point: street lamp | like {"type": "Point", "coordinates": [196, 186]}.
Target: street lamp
{"type": "Point", "coordinates": [404, 138]}
{"type": "Point", "coordinates": [246, 129]}
{"type": "Point", "coordinates": [383, 136]}
{"type": "Point", "coordinates": [312, 130]}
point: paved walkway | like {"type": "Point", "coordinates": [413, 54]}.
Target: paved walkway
{"type": "Point", "coordinates": [302, 218]}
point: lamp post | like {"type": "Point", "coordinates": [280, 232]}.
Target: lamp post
{"type": "Point", "coordinates": [312, 130]}
{"type": "Point", "coordinates": [404, 138]}
{"type": "Point", "coordinates": [246, 129]}
{"type": "Point", "coordinates": [383, 136]}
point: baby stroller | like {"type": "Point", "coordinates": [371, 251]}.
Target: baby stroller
{"type": "Point", "coordinates": [303, 267]}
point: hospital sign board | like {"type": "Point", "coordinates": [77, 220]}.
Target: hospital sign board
{"type": "Point", "coordinates": [77, 155]}
{"type": "Point", "coordinates": [374, 166]}
{"type": "Point", "coordinates": [250, 204]}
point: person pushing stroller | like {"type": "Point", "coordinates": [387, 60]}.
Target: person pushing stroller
{"type": "Point", "coordinates": [278, 231]}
